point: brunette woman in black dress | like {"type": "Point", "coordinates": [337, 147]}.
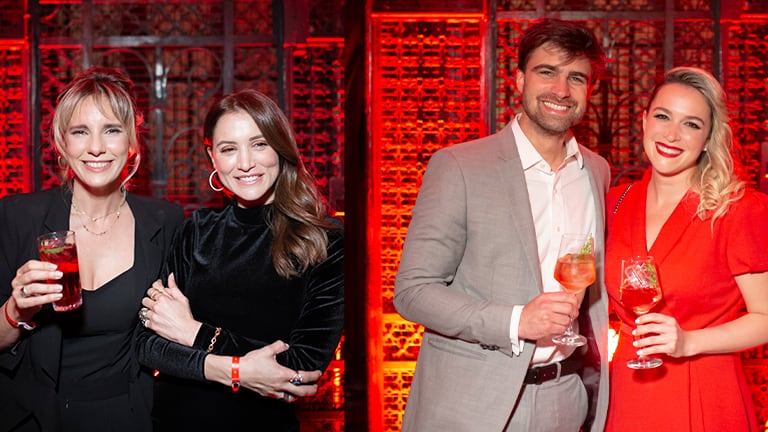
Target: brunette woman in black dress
{"type": "Point", "coordinates": [265, 269]}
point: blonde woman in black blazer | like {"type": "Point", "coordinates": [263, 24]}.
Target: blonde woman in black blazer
{"type": "Point", "coordinates": [76, 371]}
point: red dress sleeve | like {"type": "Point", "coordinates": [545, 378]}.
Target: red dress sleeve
{"type": "Point", "coordinates": [746, 234]}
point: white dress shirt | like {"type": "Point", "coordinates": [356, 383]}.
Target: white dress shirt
{"type": "Point", "coordinates": [561, 202]}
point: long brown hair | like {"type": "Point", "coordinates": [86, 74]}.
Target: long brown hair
{"type": "Point", "coordinates": [300, 218]}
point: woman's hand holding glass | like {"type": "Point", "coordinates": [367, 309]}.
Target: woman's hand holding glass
{"type": "Point", "coordinates": [31, 289]}
{"type": "Point", "coordinates": [640, 291]}
{"type": "Point", "coordinates": [660, 334]}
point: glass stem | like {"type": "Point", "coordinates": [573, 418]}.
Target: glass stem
{"type": "Point", "coordinates": [637, 338]}
{"type": "Point", "coordinates": [569, 330]}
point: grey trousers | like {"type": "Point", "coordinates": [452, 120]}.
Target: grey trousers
{"type": "Point", "coordinates": [554, 406]}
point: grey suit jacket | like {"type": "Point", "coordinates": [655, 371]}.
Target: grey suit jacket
{"type": "Point", "coordinates": [471, 255]}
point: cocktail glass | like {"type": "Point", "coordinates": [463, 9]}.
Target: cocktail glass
{"type": "Point", "coordinates": [58, 247]}
{"type": "Point", "coordinates": [640, 291]}
{"type": "Point", "coordinates": [575, 270]}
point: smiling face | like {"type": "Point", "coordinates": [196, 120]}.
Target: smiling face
{"type": "Point", "coordinates": [555, 90]}
{"type": "Point", "coordinates": [675, 130]}
{"type": "Point", "coordinates": [96, 145]}
{"type": "Point", "coordinates": [246, 164]}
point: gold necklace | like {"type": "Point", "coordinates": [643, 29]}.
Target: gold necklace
{"type": "Point", "coordinates": [76, 210]}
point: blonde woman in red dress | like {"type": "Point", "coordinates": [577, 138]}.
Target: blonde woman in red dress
{"type": "Point", "coordinates": [707, 232]}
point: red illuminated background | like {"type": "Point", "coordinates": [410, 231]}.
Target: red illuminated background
{"type": "Point", "coordinates": [372, 88]}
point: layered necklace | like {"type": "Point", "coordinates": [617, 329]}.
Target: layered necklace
{"type": "Point", "coordinates": [91, 219]}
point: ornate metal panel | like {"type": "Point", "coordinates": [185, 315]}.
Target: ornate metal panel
{"type": "Point", "coordinates": [58, 66]}
{"type": "Point", "coordinates": [397, 383]}
{"type": "Point", "coordinates": [15, 169]}
{"type": "Point", "coordinates": [180, 56]}
{"type": "Point", "coordinates": [401, 339]}
{"type": "Point", "coordinates": [326, 17]}
{"type": "Point", "coordinates": [15, 154]}
{"type": "Point", "coordinates": [317, 113]}
{"type": "Point", "coordinates": [746, 81]}
{"type": "Point", "coordinates": [426, 95]}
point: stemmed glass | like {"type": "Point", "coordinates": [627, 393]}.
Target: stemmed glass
{"type": "Point", "coordinates": [640, 291]}
{"type": "Point", "coordinates": [575, 270]}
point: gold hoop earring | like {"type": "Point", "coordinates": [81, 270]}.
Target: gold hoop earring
{"type": "Point", "coordinates": [210, 181]}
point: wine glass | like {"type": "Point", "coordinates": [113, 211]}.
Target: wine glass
{"type": "Point", "coordinates": [575, 270]}
{"type": "Point", "coordinates": [640, 291]}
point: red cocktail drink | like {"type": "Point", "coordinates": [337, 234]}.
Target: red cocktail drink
{"type": "Point", "coordinates": [59, 248]}
{"type": "Point", "coordinates": [640, 299]}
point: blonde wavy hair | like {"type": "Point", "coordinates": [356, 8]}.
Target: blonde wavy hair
{"type": "Point", "coordinates": [110, 89]}
{"type": "Point", "coordinates": [715, 178]}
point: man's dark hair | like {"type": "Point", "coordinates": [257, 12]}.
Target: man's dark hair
{"type": "Point", "coordinates": [571, 37]}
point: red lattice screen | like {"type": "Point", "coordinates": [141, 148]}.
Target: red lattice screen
{"type": "Point", "coordinates": [427, 94]}
{"type": "Point", "coordinates": [15, 166]}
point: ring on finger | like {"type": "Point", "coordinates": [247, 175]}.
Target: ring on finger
{"type": "Point", "coordinates": [143, 316]}
{"type": "Point", "coordinates": [297, 379]}
{"type": "Point", "coordinates": [153, 295]}
{"type": "Point", "coordinates": [23, 292]}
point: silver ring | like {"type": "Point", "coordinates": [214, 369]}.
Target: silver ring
{"type": "Point", "coordinates": [22, 292]}
{"type": "Point", "coordinates": [286, 396]}
{"type": "Point", "coordinates": [143, 316]}
{"type": "Point", "coordinates": [296, 379]}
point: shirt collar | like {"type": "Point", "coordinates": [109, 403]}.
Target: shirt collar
{"type": "Point", "coordinates": [530, 157]}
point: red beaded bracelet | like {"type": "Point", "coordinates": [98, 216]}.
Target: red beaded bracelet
{"type": "Point", "coordinates": [235, 374]}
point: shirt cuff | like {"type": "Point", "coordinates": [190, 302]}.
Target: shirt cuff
{"type": "Point", "coordinates": [514, 329]}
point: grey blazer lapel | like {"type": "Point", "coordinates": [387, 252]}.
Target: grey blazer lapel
{"type": "Point", "coordinates": [518, 201]}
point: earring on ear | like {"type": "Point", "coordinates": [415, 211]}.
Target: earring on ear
{"type": "Point", "coordinates": [210, 181]}
{"type": "Point", "coordinates": [61, 162]}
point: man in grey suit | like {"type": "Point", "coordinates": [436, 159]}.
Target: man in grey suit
{"type": "Point", "coordinates": [478, 262]}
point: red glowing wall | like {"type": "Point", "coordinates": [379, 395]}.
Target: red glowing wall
{"type": "Point", "coordinates": [436, 73]}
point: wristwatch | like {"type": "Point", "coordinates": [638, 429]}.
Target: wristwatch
{"type": "Point", "coordinates": [20, 324]}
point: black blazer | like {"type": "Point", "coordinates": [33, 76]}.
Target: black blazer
{"type": "Point", "coordinates": [30, 368]}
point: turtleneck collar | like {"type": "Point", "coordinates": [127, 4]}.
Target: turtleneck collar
{"type": "Point", "coordinates": [258, 215]}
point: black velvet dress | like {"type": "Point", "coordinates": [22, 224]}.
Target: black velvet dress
{"type": "Point", "coordinates": [223, 264]}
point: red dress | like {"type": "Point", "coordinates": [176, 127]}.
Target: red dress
{"type": "Point", "coordinates": [696, 270]}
